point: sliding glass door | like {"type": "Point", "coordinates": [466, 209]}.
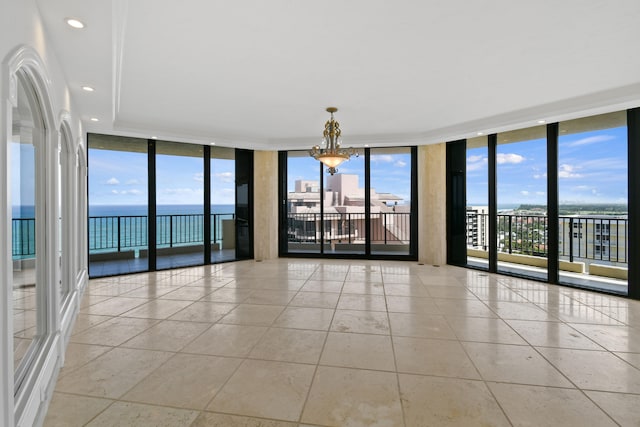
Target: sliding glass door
{"type": "Point", "coordinates": [303, 203]}
{"type": "Point", "coordinates": [593, 194]}
{"type": "Point", "coordinates": [521, 169]}
{"type": "Point", "coordinates": [118, 205]}
{"type": "Point", "coordinates": [179, 205]}
{"type": "Point", "coordinates": [344, 217]}
{"type": "Point", "coordinates": [365, 209]}
{"type": "Point", "coordinates": [147, 204]}
{"type": "Point", "coordinates": [477, 203]}
{"type": "Point", "coordinates": [390, 200]}
{"type": "Point", "coordinates": [223, 204]}
{"type": "Point", "coordinates": [559, 201]}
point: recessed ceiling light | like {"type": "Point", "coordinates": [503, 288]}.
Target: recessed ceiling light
{"type": "Point", "coordinates": [212, 143]}
{"type": "Point", "coordinates": [542, 122]}
{"type": "Point", "coordinates": [94, 119]}
{"type": "Point", "coordinates": [88, 88]}
{"type": "Point", "coordinates": [154, 137]}
{"type": "Point", "coordinates": [366, 145]}
{"type": "Point", "coordinates": [74, 23]}
{"type": "Point", "coordinates": [480, 133]}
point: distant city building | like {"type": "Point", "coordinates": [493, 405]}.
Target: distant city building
{"type": "Point", "coordinates": [596, 237]}
{"type": "Point", "coordinates": [344, 212]}
{"type": "Point", "coordinates": [592, 238]}
{"type": "Point", "coordinates": [477, 227]}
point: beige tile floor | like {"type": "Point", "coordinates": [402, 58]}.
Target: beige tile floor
{"type": "Point", "coordinates": [347, 343]}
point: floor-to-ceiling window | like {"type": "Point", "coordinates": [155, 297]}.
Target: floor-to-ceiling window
{"type": "Point", "coordinates": [179, 204]}
{"type": "Point", "coordinates": [344, 213]}
{"type": "Point", "coordinates": [390, 200]}
{"type": "Point", "coordinates": [118, 205]}
{"type": "Point", "coordinates": [477, 203]}
{"type": "Point", "coordinates": [521, 173]}
{"type": "Point", "coordinates": [560, 202]}
{"type": "Point", "coordinates": [147, 204]}
{"type": "Point", "coordinates": [303, 203]}
{"type": "Point", "coordinates": [223, 204]}
{"type": "Point", "coordinates": [593, 201]}
{"type": "Point", "coordinates": [364, 209]}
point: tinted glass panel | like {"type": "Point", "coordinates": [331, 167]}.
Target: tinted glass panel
{"type": "Point", "coordinates": [179, 204]}
{"type": "Point", "coordinates": [593, 194]}
{"type": "Point", "coordinates": [521, 167]}
{"type": "Point", "coordinates": [390, 196]}
{"type": "Point", "coordinates": [118, 207]}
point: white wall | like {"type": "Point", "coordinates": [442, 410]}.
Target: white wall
{"type": "Point", "coordinates": [23, 42]}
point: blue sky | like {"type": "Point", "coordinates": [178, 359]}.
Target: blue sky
{"type": "Point", "coordinates": [23, 188]}
{"type": "Point", "coordinates": [120, 178]}
{"type": "Point", "coordinates": [592, 168]}
{"type": "Point", "coordinates": [390, 173]}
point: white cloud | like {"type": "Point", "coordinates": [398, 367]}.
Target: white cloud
{"type": "Point", "coordinates": [225, 176]}
{"type": "Point", "coordinates": [132, 192]}
{"type": "Point", "coordinates": [400, 164]}
{"type": "Point", "coordinates": [475, 163]}
{"type": "Point", "coordinates": [540, 193]}
{"type": "Point", "coordinates": [607, 164]}
{"type": "Point", "coordinates": [180, 191]}
{"type": "Point", "coordinates": [502, 158]}
{"type": "Point", "coordinates": [582, 188]}
{"type": "Point", "coordinates": [387, 158]}
{"type": "Point", "coordinates": [133, 182]}
{"type": "Point", "coordinates": [591, 140]}
{"type": "Point", "coordinates": [538, 176]}
{"type": "Point", "coordinates": [568, 171]}
{"type": "Point", "coordinates": [524, 192]}
{"type": "Point", "coordinates": [113, 181]}
{"type": "Point", "coordinates": [198, 177]}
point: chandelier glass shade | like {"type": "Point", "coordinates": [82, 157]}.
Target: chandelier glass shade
{"type": "Point", "coordinates": [330, 153]}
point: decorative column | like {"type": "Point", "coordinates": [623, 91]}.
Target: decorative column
{"type": "Point", "coordinates": [432, 204]}
{"type": "Point", "coordinates": [265, 202]}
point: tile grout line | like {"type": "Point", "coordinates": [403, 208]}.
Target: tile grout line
{"type": "Point", "coordinates": [395, 359]}
{"type": "Point", "coordinates": [315, 371]}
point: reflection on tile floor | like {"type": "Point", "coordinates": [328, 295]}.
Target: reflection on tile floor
{"type": "Point", "coordinates": [347, 343]}
{"type": "Point", "coordinates": [125, 266]}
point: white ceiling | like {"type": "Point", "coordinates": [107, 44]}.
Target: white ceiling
{"type": "Point", "coordinates": [259, 74]}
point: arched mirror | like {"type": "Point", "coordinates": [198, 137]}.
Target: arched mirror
{"type": "Point", "coordinates": [27, 226]}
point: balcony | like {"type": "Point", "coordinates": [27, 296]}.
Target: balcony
{"type": "Point", "coordinates": [345, 232]}
{"type": "Point", "coordinates": [592, 249]}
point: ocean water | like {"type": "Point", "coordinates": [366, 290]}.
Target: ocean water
{"type": "Point", "coordinates": [107, 232]}
{"type": "Point", "coordinates": [131, 210]}
{"type": "Point", "coordinates": [176, 225]}
{"type": "Point", "coordinates": [142, 210]}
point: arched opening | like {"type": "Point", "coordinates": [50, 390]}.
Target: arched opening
{"type": "Point", "coordinates": [27, 181]}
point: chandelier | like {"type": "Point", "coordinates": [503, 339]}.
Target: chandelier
{"type": "Point", "coordinates": [330, 153]}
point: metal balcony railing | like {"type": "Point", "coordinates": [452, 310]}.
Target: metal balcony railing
{"type": "Point", "coordinates": [23, 237]}
{"type": "Point", "coordinates": [386, 227]}
{"type": "Point", "coordinates": [580, 237]}
{"type": "Point", "coordinates": [120, 233]}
